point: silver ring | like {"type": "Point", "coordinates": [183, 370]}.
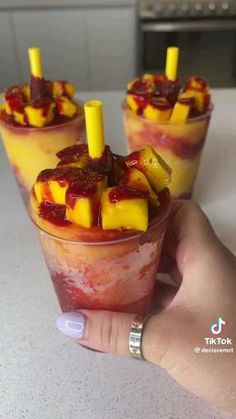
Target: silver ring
{"type": "Point", "coordinates": [136, 334]}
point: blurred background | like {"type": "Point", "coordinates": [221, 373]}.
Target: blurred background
{"type": "Point", "coordinates": [100, 45]}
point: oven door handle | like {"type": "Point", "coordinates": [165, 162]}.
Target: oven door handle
{"type": "Point", "coordinates": [190, 26]}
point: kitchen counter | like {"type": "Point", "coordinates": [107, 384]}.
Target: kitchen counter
{"type": "Point", "coordinates": [21, 4]}
{"type": "Point", "coordinates": [44, 375]}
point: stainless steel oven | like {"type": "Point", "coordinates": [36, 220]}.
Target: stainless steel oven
{"type": "Point", "coordinates": [205, 31]}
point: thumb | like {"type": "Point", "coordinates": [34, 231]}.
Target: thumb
{"type": "Point", "coordinates": [109, 331]}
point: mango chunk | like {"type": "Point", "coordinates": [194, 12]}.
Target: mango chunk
{"type": "Point", "coordinates": [197, 88]}
{"type": "Point", "coordinates": [148, 76]}
{"type": "Point", "coordinates": [182, 109]}
{"type": "Point", "coordinates": [157, 110]}
{"type": "Point", "coordinates": [123, 208]}
{"type": "Point", "coordinates": [20, 117]}
{"type": "Point", "coordinates": [152, 165]}
{"type": "Point", "coordinates": [39, 116]}
{"type": "Point", "coordinates": [135, 179]}
{"type": "Point", "coordinates": [52, 184]}
{"type": "Point", "coordinates": [80, 200]}
{"type": "Point", "coordinates": [136, 102]}
{"type": "Point", "coordinates": [65, 106]}
{"type": "Point", "coordinates": [63, 88]}
{"type": "Point", "coordinates": [197, 83]}
{"type": "Point", "coordinates": [26, 92]}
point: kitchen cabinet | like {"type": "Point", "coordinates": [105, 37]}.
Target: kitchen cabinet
{"type": "Point", "coordinates": [9, 67]}
{"type": "Point", "coordinates": [61, 34]}
{"type": "Point", "coordinates": [111, 45]}
{"type": "Point", "coordinates": [92, 46]}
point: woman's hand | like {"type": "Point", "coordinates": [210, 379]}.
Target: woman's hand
{"type": "Point", "coordinates": [205, 272]}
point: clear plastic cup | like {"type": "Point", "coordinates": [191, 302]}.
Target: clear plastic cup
{"type": "Point", "coordinates": [31, 150]}
{"type": "Point", "coordinates": [180, 145]}
{"type": "Point", "coordinates": [117, 275]}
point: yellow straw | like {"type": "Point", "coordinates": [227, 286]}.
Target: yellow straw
{"type": "Point", "coordinates": [172, 61]}
{"type": "Point", "coordinates": [94, 128]}
{"type": "Point", "coordinates": [35, 62]}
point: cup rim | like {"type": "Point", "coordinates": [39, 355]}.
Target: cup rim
{"type": "Point", "coordinates": [77, 117]}
{"type": "Point", "coordinates": [189, 121]}
{"type": "Point", "coordinates": [153, 224]}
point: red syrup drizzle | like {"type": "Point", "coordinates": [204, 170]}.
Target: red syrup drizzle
{"type": "Point", "coordinates": [170, 90]}
{"type": "Point", "coordinates": [62, 175]}
{"type": "Point", "coordinates": [63, 91]}
{"type": "Point", "coordinates": [54, 213]}
{"type": "Point", "coordinates": [102, 165]}
{"type": "Point", "coordinates": [80, 190]}
{"type": "Point", "coordinates": [159, 102]}
{"type": "Point", "coordinates": [15, 98]}
{"type": "Point", "coordinates": [72, 154]}
{"type": "Point", "coordinates": [121, 192]}
{"type": "Point", "coordinates": [200, 80]}
{"type": "Point", "coordinates": [38, 88]}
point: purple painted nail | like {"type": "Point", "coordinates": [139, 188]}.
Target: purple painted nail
{"type": "Point", "coordinates": [72, 324]}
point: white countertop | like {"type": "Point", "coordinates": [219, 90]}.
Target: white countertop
{"type": "Point", "coordinates": [44, 375]}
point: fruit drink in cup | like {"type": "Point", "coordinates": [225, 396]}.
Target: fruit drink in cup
{"type": "Point", "coordinates": [173, 119]}
{"type": "Point", "coordinates": [36, 121]}
{"type": "Point", "coordinates": [101, 220]}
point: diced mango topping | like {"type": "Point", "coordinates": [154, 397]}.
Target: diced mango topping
{"type": "Point", "coordinates": [65, 106]}
{"type": "Point", "coordinates": [122, 198]}
{"type": "Point", "coordinates": [182, 109]}
{"type": "Point", "coordinates": [40, 116]}
{"type": "Point", "coordinates": [158, 111]}
{"type": "Point", "coordinates": [52, 184]}
{"type": "Point", "coordinates": [63, 88]}
{"type": "Point", "coordinates": [152, 165]}
{"type": "Point", "coordinates": [19, 117]}
{"type": "Point", "coordinates": [156, 97]}
{"type": "Point", "coordinates": [135, 179]}
{"type": "Point", "coordinates": [37, 104]}
{"type": "Point", "coordinates": [123, 213]}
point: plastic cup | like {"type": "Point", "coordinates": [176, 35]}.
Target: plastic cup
{"type": "Point", "coordinates": [117, 275]}
{"type": "Point", "coordinates": [180, 145]}
{"type": "Point", "coordinates": [31, 150]}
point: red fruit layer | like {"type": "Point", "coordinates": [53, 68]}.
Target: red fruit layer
{"type": "Point", "coordinates": [180, 146]}
{"type": "Point", "coordinates": [121, 192]}
{"type": "Point", "coordinates": [72, 298]}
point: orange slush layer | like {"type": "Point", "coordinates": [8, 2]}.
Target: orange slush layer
{"type": "Point", "coordinates": [32, 150]}
{"type": "Point", "coordinates": [170, 142]}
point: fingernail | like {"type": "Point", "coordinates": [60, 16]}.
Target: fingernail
{"type": "Point", "coordinates": [72, 324]}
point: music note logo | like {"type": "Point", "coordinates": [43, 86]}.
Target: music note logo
{"type": "Point", "coordinates": [216, 328]}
